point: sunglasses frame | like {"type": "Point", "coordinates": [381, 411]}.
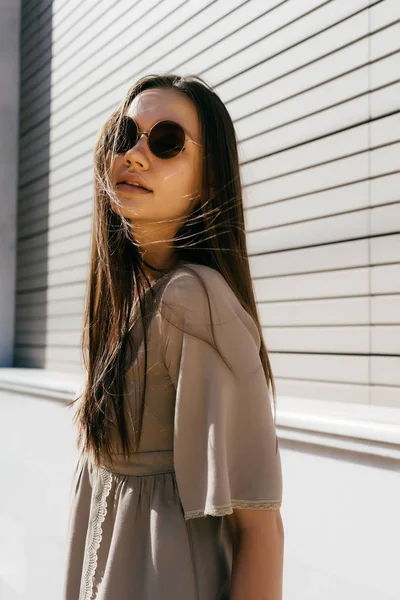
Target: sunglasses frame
{"type": "Point", "coordinates": [148, 133]}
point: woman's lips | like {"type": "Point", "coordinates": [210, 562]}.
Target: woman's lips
{"type": "Point", "coordinates": [132, 189]}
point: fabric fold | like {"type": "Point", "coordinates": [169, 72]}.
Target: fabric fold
{"type": "Point", "coordinates": [226, 453]}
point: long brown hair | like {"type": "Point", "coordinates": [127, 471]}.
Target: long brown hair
{"type": "Point", "coordinates": [213, 235]}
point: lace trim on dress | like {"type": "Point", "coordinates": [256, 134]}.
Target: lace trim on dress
{"type": "Point", "coordinates": [99, 511]}
{"type": "Point", "coordinates": [221, 510]}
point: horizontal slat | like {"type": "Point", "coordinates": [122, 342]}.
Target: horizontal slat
{"type": "Point", "coordinates": [385, 280]}
{"type": "Point", "coordinates": [385, 71]}
{"type": "Point", "coordinates": [385, 249]}
{"type": "Point", "coordinates": [346, 393]}
{"type": "Point", "coordinates": [385, 339]}
{"type": "Point", "coordinates": [341, 172]}
{"type": "Point", "coordinates": [56, 178]}
{"type": "Point", "coordinates": [30, 254]}
{"type": "Point", "coordinates": [386, 159]}
{"type": "Point", "coordinates": [385, 189]}
{"type": "Point", "coordinates": [334, 284]}
{"type": "Point", "coordinates": [36, 248]}
{"type": "Point", "coordinates": [38, 356]}
{"type": "Point", "coordinates": [314, 126]}
{"type": "Point", "coordinates": [385, 219]}
{"type": "Point", "coordinates": [63, 232]}
{"type": "Point", "coordinates": [82, 210]}
{"type": "Point", "coordinates": [340, 311]}
{"type": "Point", "coordinates": [385, 370]}
{"type": "Point", "coordinates": [313, 153]}
{"type": "Point", "coordinates": [338, 392]}
{"type": "Point", "coordinates": [66, 276]}
{"type": "Point", "coordinates": [323, 258]}
{"type": "Point", "coordinates": [341, 340]}
{"type": "Point", "coordinates": [82, 178]}
{"type": "Point", "coordinates": [59, 248]}
{"type": "Point", "coordinates": [384, 131]}
{"type": "Point", "coordinates": [52, 266]}
{"type": "Point", "coordinates": [46, 324]}
{"type": "Point", "coordinates": [385, 396]}
{"type": "Point", "coordinates": [385, 309]}
{"type": "Point", "coordinates": [52, 310]}
{"type": "Point", "coordinates": [317, 367]}
{"type": "Point", "coordinates": [48, 339]}
{"type": "Point", "coordinates": [302, 208]}
{"type": "Point", "coordinates": [319, 231]}
{"type": "Point", "coordinates": [385, 100]}
{"type": "Point", "coordinates": [64, 366]}
{"type": "Point", "coordinates": [50, 205]}
{"type": "Point", "coordinates": [52, 294]}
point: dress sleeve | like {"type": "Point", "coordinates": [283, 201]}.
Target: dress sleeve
{"type": "Point", "coordinates": [226, 453]}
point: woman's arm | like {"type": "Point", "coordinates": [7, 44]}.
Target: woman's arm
{"type": "Point", "coordinates": [258, 554]}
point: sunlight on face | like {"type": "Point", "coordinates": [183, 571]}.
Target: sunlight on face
{"type": "Point", "coordinates": [175, 183]}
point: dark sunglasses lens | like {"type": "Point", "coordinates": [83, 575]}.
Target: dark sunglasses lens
{"type": "Point", "coordinates": [124, 139]}
{"type": "Point", "coordinates": [167, 139]}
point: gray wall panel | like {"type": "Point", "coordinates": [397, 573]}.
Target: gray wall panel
{"type": "Point", "coordinates": [313, 89]}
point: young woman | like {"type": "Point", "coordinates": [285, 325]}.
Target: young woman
{"type": "Point", "coordinates": [178, 487]}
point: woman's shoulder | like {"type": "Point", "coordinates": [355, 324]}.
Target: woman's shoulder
{"type": "Point", "coordinates": [198, 292]}
{"type": "Point", "coordinates": [190, 284]}
{"type": "Point", "coordinates": [197, 295]}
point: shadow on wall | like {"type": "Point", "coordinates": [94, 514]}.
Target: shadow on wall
{"type": "Point", "coordinates": [36, 41]}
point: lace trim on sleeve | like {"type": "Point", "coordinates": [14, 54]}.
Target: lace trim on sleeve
{"type": "Point", "coordinates": [94, 535]}
{"type": "Point", "coordinates": [221, 510]}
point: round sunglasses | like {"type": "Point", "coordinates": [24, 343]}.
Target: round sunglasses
{"type": "Point", "coordinates": [166, 138]}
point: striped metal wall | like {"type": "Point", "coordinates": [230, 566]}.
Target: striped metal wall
{"type": "Point", "coordinates": [314, 91]}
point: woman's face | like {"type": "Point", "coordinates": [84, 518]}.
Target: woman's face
{"type": "Point", "coordinates": [175, 183]}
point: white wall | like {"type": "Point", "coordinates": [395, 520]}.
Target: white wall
{"type": "Point", "coordinates": [37, 457]}
{"type": "Point", "coordinates": [340, 507]}
{"type": "Point", "coordinates": [342, 523]}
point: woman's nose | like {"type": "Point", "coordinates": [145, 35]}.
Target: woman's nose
{"type": "Point", "coordinates": [139, 152]}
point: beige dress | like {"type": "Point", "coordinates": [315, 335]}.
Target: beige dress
{"type": "Point", "coordinates": [155, 527]}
